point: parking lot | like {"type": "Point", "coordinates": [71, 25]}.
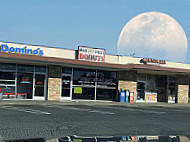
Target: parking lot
{"type": "Point", "coordinates": [40, 119]}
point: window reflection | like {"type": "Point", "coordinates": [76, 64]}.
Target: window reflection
{"type": "Point", "coordinates": [106, 94]}
{"type": "Point", "coordinates": [67, 70]}
{"type": "Point", "coordinates": [40, 68]}
{"type": "Point", "coordinates": [106, 78]}
{"type": "Point", "coordinates": [6, 66]}
{"type": "Point", "coordinates": [84, 77]}
{"type": "Point", "coordinates": [26, 68]}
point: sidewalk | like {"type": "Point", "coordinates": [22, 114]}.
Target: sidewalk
{"type": "Point", "coordinates": [89, 103]}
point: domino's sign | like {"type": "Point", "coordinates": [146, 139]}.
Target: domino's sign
{"type": "Point", "coordinates": [24, 50]}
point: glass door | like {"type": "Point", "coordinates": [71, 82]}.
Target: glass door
{"type": "Point", "coordinates": [66, 87]}
{"type": "Point", "coordinates": [141, 86]}
{"type": "Point", "coordinates": [24, 85]}
{"type": "Point", "coordinates": [172, 90]}
{"type": "Point", "coordinates": [39, 87]}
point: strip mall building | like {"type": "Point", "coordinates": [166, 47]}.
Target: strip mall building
{"type": "Point", "coordinates": [47, 73]}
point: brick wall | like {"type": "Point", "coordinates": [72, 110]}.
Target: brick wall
{"type": "Point", "coordinates": [182, 89]}
{"type": "Point", "coordinates": [128, 80]}
{"type": "Point", "coordinates": [54, 83]}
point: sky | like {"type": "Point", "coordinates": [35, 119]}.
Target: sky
{"type": "Point", "coordinates": [70, 23]}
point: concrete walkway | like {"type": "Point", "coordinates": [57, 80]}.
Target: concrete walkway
{"type": "Point", "coordinates": [89, 103]}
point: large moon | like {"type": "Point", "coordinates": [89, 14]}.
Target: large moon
{"type": "Point", "coordinates": [153, 35]}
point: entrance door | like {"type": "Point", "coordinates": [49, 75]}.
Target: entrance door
{"type": "Point", "coordinates": [66, 87]}
{"type": "Point", "coordinates": [24, 86]}
{"type": "Point", "coordinates": [39, 87]}
{"type": "Point", "coordinates": [141, 91]}
{"type": "Point", "coordinates": [172, 90]}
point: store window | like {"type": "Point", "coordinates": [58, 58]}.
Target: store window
{"type": "Point", "coordinates": [106, 94]}
{"type": "Point", "coordinates": [7, 84]}
{"type": "Point", "coordinates": [106, 85]}
{"type": "Point", "coordinates": [7, 76]}
{"type": "Point", "coordinates": [106, 79]}
{"type": "Point", "coordinates": [67, 70]}
{"type": "Point", "coordinates": [25, 68]}
{"type": "Point", "coordinates": [40, 69]}
{"type": "Point", "coordinates": [151, 88]}
{"type": "Point", "coordinates": [89, 84]}
{"type": "Point", "coordinates": [84, 77]}
{"type": "Point", "coordinates": [83, 93]}
{"type": "Point", "coordinates": [6, 66]}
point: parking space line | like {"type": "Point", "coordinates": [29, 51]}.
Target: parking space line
{"type": "Point", "coordinates": [87, 110]}
{"type": "Point", "coordinates": [38, 112]}
{"type": "Point", "coordinates": [140, 110]}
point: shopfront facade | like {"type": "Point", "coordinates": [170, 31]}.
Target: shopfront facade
{"type": "Point", "coordinates": [88, 84]}
{"type": "Point", "coordinates": [21, 81]}
{"type": "Point", "coordinates": [46, 73]}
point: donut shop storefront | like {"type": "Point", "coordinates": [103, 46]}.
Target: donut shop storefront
{"type": "Point", "coordinates": [49, 73]}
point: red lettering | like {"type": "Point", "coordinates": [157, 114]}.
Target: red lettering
{"type": "Point", "coordinates": [102, 58]}
{"type": "Point", "coordinates": [81, 56]}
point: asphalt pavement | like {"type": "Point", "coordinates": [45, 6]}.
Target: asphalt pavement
{"type": "Point", "coordinates": [42, 119]}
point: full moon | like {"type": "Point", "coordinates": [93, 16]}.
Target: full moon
{"type": "Point", "coordinates": [153, 35]}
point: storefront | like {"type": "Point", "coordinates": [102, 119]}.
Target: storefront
{"type": "Point", "coordinates": [89, 84]}
{"type": "Point", "coordinates": [156, 88]}
{"type": "Point", "coordinates": [19, 81]}
{"type": "Point", "coordinates": [47, 73]}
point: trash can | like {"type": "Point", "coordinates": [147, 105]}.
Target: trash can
{"type": "Point", "coordinates": [1, 95]}
{"type": "Point", "coordinates": [122, 96]}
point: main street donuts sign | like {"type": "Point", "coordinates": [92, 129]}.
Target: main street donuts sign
{"type": "Point", "coordinates": [91, 54]}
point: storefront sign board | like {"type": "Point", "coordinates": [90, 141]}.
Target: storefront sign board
{"type": "Point", "coordinates": [152, 61]}
{"type": "Point", "coordinates": [91, 54]}
{"type": "Point", "coordinates": [21, 50]}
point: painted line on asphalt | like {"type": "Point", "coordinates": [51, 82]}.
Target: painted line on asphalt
{"type": "Point", "coordinates": [38, 112]}
{"type": "Point", "coordinates": [87, 110]}
{"type": "Point", "coordinates": [140, 110]}
{"type": "Point", "coordinates": [165, 109]}
{"type": "Point", "coordinates": [101, 112]}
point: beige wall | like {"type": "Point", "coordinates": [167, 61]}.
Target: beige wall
{"type": "Point", "coordinates": [71, 54]}
{"type": "Point", "coordinates": [48, 51]}
{"type": "Point", "coordinates": [182, 89]}
{"type": "Point", "coordinates": [128, 80]}
{"type": "Point", "coordinates": [112, 59]}
{"type": "Point", "coordinates": [54, 83]}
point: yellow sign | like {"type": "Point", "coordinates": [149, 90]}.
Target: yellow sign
{"type": "Point", "coordinates": [77, 140]}
{"type": "Point", "coordinates": [151, 97]}
{"type": "Point", "coordinates": [77, 90]}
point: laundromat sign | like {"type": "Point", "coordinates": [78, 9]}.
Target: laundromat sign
{"type": "Point", "coordinates": [23, 50]}
{"type": "Point", "coordinates": [91, 54]}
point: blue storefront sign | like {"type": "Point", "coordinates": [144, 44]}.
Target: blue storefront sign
{"type": "Point", "coordinates": [24, 50]}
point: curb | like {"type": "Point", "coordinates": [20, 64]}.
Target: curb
{"type": "Point", "coordinates": [89, 103]}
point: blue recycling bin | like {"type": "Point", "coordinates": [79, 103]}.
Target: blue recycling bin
{"type": "Point", "coordinates": [122, 96]}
